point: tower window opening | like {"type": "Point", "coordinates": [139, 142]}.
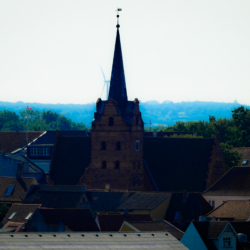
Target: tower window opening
{"type": "Point", "coordinates": [117, 165]}
{"type": "Point", "coordinates": [104, 165]}
{"type": "Point", "coordinates": [103, 145]}
{"type": "Point", "coordinates": [137, 120]}
{"type": "Point", "coordinates": [118, 146]}
{"type": "Point", "coordinates": [111, 121]}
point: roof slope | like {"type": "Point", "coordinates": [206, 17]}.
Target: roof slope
{"type": "Point", "coordinates": [57, 196]}
{"type": "Point", "coordinates": [178, 164]}
{"type": "Point", "coordinates": [157, 226]}
{"type": "Point", "coordinates": [12, 140]}
{"type": "Point", "coordinates": [21, 187]}
{"type": "Point", "coordinates": [113, 222]}
{"type": "Point", "coordinates": [22, 211]}
{"type": "Point", "coordinates": [71, 157]}
{"type": "Point", "coordinates": [193, 206]}
{"type": "Point", "coordinates": [239, 210]}
{"type": "Point", "coordinates": [235, 181]}
{"type": "Point", "coordinates": [143, 201]}
{"type": "Point", "coordinates": [106, 201]}
{"type": "Point", "coordinates": [75, 219]}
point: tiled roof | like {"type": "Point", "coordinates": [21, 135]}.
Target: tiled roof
{"type": "Point", "coordinates": [143, 201]}
{"type": "Point", "coordinates": [106, 201]}
{"type": "Point", "coordinates": [11, 140]}
{"type": "Point", "coordinates": [21, 210]}
{"type": "Point", "coordinates": [113, 222]}
{"type": "Point", "coordinates": [71, 156]}
{"type": "Point", "coordinates": [178, 164]}
{"type": "Point", "coordinates": [75, 219]}
{"type": "Point", "coordinates": [235, 181]}
{"type": "Point", "coordinates": [216, 228]}
{"type": "Point", "coordinates": [22, 185]}
{"type": "Point", "coordinates": [190, 208]}
{"type": "Point", "coordinates": [245, 151]}
{"type": "Point", "coordinates": [238, 210]}
{"type": "Point", "coordinates": [57, 196]}
{"type": "Point", "coordinates": [50, 136]}
{"type": "Point", "coordinates": [157, 226]}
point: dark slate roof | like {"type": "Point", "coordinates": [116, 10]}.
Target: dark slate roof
{"type": "Point", "coordinates": [235, 181]}
{"type": "Point", "coordinates": [190, 208]}
{"type": "Point", "coordinates": [75, 219]}
{"type": "Point", "coordinates": [157, 226]}
{"type": "Point", "coordinates": [216, 228]}
{"type": "Point", "coordinates": [106, 201]}
{"type": "Point", "coordinates": [57, 196]}
{"type": "Point", "coordinates": [22, 186]}
{"type": "Point", "coordinates": [178, 164]}
{"type": "Point", "coordinates": [49, 136]}
{"type": "Point", "coordinates": [143, 201]}
{"type": "Point", "coordinates": [71, 156]}
{"type": "Point", "coordinates": [238, 210]}
{"type": "Point", "coordinates": [12, 140]}
{"type": "Point", "coordinates": [113, 222]}
{"type": "Point", "coordinates": [22, 211]}
{"type": "Point", "coordinates": [117, 90]}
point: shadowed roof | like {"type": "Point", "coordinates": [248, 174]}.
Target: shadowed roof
{"type": "Point", "coordinates": [113, 222]}
{"type": "Point", "coordinates": [235, 181]}
{"type": "Point", "coordinates": [178, 164]}
{"type": "Point", "coordinates": [12, 140]}
{"type": "Point", "coordinates": [71, 156]}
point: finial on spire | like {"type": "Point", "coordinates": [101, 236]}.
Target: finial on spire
{"type": "Point", "coordinates": [118, 25]}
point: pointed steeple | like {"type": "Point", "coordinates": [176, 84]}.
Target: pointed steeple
{"type": "Point", "coordinates": [117, 90]}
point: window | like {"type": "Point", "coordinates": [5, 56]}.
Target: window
{"type": "Point", "coordinates": [137, 145]}
{"type": "Point", "coordinates": [118, 146]}
{"type": "Point", "coordinates": [107, 186]}
{"type": "Point", "coordinates": [9, 190]}
{"type": "Point", "coordinates": [12, 215]}
{"type": "Point", "coordinates": [212, 203]}
{"type": "Point", "coordinates": [28, 216]}
{"type": "Point", "coordinates": [103, 145]}
{"type": "Point", "coordinates": [227, 242]}
{"type": "Point", "coordinates": [137, 120]}
{"type": "Point", "coordinates": [117, 165]}
{"type": "Point", "coordinates": [111, 121]}
{"type": "Point", "coordinates": [244, 162]}
{"type": "Point", "coordinates": [104, 165]}
{"type": "Point", "coordinates": [47, 151]}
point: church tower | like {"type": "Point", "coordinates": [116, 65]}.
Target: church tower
{"type": "Point", "coordinates": [116, 136]}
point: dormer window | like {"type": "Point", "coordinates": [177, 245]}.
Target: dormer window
{"type": "Point", "coordinates": [104, 165]}
{"type": "Point", "coordinates": [111, 121]}
{"type": "Point", "coordinates": [118, 146]}
{"type": "Point", "coordinates": [103, 145]}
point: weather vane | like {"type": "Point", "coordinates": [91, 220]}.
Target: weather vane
{"type": "Point", "coordinates": [118, 25]}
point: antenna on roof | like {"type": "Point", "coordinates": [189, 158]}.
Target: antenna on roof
{"type": "Point", "coordinates": [106, 83]}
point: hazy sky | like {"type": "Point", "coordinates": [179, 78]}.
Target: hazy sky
{"type": "Point", "coordinates": [177, 50]}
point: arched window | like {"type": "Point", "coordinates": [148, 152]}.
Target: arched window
{"type": "Point", "coordinates": [117, 165]}
{"type": "Point", "coordinates": [103, 145]}
{"type": "Point", "coordinates": [111, 121]}
{"type": "Point", "coordinates": [104, 165]}
{"type": "Point", "coordinates": [118, 146]}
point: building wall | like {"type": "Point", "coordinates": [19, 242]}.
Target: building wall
{"type": "Point", "coordinates": [129, 175]}
{"type": "Point", "coordinates": [160, 211]}
{"type": "Point", "coordinates": [218, 200]}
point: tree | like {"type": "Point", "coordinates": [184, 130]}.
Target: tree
{"type": "Point", "coordinates": [231, 158]}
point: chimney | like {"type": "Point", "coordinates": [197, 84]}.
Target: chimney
{"type": "Point", "coordinates": [19, 171]}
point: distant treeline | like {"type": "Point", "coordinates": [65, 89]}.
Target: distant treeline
{"type": "Point", "coordinates": [166, 113]}
{"type": "Point", "coordinates": [34, 120]}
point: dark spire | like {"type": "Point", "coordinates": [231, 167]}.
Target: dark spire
{"type": "Point", "coordinates": [117, 90]}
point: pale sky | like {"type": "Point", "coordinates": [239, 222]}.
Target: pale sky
{"type": "Point", "coordinates": [177, 50]}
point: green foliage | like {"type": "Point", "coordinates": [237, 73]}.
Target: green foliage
{"type": "Point", "coordinates": [33, 120]}
{"type": "Point", "coordinates": [231, 158]}
{"type": "Point", "coordinates": [185, 136]}
{"type": "Point", "coordinates": [4, 209]}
